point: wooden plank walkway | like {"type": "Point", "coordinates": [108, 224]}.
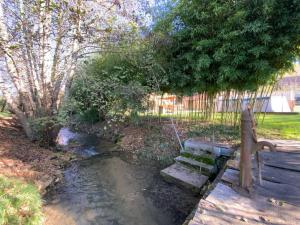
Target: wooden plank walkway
{"type": "Point", "coordinates": [275, 201]}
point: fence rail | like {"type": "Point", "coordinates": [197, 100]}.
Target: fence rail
{"type": "Point", "coordinates": [224, 107]}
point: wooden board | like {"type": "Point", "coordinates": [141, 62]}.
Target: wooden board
{"type": "Point", "coordinates": [277, 172]}
{"type": "Point", "coordinates": [231, 176]}
{"type": "Point", "coordinates": [284, 160]}
{"type": "Point", "coordinates": [226, 206]}
{"type": "Point", "coordinates": [280, 191]}
{"type": "Point", "coordinates": [282, 176]}
{"type": "Point", "coordinates": [275, 201]}
{"type": "Point", "coordinates": [185, 177]}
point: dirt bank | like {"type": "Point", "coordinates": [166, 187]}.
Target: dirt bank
{"type": "Point", "coordinates": [21, 158]}
{"type": "Point", "coordinates": [156, 139]}
{"type": "Point", "coordinates": [150, 140]}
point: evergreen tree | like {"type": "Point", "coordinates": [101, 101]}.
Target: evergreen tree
{"type": "Point", "coordinates": [217, 45]}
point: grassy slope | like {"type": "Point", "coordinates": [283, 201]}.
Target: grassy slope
{"type": "Point", "coordinates": [20, 203]}
{"type": "Point", "coordinates": [280, 126]}
{"type": "Point", "coordinates": [5, 114]}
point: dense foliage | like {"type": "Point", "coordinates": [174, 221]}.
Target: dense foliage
{"type": "Point", "coordinates": [213, 45]}
{"type": "Point", "coordinates": [45, 129]}
{"type": "Point", "coordinates": [115, 83]}
{"type": "Point", "coordinates": [20, 203]}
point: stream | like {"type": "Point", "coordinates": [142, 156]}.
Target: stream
{"type": "Point", "coordinates": [108, 187]}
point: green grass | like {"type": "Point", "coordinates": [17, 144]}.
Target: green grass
{"type": "Point", "coordinates": [5, 114]}
{"type": "Point", "coordinates": [221, 133]}
{"type": "Point", "coordinates": [20, 203]}
{"type": "Point", "coordinates": [280, 126]}
{"type": "Point", "coordinates": [203, 159]}
{"type": "Point", "coordinates": [274, 126]}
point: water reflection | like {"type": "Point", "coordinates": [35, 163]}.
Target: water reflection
{"type": "Point", "coordinates": [107, 189]}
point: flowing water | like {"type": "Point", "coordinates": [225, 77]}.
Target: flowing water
{"type": "Point", "coordinates": [113, 188]}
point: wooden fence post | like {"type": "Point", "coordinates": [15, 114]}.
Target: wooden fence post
{"type": "Point", "coordinates": [246, 150]}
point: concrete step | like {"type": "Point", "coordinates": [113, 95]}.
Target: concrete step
{"type": "Point", "coordinates": [200, 156]}
{"type": "Point", "coordinates": [184, 177]}
{"type": "Point", "coordinates": [203, 168]}
{"type": "Point", "coordinates": [198, 147]}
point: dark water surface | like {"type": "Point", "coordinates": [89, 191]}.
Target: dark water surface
{"type": "Point", "coordinates": [111, 188]}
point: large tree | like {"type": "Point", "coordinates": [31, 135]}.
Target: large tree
{"type": "Point", "coordinates": [220, 45]}
{"type": "Point", "coordinates": [41, 42]}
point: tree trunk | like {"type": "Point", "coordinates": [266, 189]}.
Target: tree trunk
{"type": "Point", "coordinates": [22, 118]}
{"type": "Point", "coordinates": [25, 124]}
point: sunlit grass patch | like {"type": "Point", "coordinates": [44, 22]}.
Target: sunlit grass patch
{"type": "Point", "coordinates": [20, 203]}
{"type": "Point", "coordinates": [5, 114]}
{"type": "Point", "coordinates": [282, 126]}
{"type": "Point", "coordinates": [273, 126]}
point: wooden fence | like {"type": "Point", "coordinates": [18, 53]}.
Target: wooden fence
{"type": "Point", "coordinates": [224, 107]}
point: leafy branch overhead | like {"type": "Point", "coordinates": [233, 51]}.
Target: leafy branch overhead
{"type": "Point", "coordinates": [41, 43]}
{"type": "Point", "coordinates": [116, 83]}
{"type": "Point", "coordinates": [213, 46]}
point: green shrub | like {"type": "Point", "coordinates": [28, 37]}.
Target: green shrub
{"type": "Point", "coordinates": [45, 130]}
{"type": "Point", "coordinates": [115, 84]}
{"type": "Point", "coordinates": [212, 46]}
{"type": "Point", "coordinates": [20, 203]}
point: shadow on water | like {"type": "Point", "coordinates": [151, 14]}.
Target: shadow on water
{"type": "Point", "coordinates": [109, 188]}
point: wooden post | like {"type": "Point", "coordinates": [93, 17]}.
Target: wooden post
{"type": "Point", "coordinates": [246, 150]}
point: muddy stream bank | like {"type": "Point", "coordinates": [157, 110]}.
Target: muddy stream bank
{"type": "Point", "coordinates": [110, 187]}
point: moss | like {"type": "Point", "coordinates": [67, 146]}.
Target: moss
{"type": "Point", "coordinates": [4, 114]}
{"type": "Point", "coordinates": [20, 203]}
{"type": "Point", "coordinates": [203, 159]}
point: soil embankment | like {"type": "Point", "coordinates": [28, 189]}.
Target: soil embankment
{"type": "Point", "coordinates": [20, 158]}
{"type": "Point", "coordinates": [147, 140]}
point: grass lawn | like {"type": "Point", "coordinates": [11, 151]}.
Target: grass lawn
{"type": "Point", "coordinates": [280, 126]}
{"type": "Point", "coordinates": [4, 114]}
{"type": "Point", "coordinates": [20, 203]}
{"type": "Point", "coordinates": [274, 126]}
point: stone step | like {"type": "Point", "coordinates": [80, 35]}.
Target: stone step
{"type": "Point", "coordinates": [200, 156]}
{"type": "Point", "coordinates": [201, 167]}
{"type": "Point", "coordinates": [198, 147]}
{"type": "Point", "coordinates": [184, 177]}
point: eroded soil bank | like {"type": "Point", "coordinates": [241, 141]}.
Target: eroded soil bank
{"type": "Point", "coordinates": [21, 158]}
{"type": "Point", "coordinates": [155, 139]}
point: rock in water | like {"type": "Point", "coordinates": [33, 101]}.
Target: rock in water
{"type": "Point", "coordinates": [64, 136]}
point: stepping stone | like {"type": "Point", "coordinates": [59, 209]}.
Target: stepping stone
{"type": "Point", "coordinates": [199, 155]}
{"type": "Point", "coordinates": [197, 147]}
{"type": "Point", "coordinates": [184, 177]}
{"type": "Point", "coordinates": [202, 167]}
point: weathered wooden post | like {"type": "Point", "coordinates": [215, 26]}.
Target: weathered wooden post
{"type": "Point", "coordinates": [246, 150]}
{"type": "Point", "coordinates": [250, 145]}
